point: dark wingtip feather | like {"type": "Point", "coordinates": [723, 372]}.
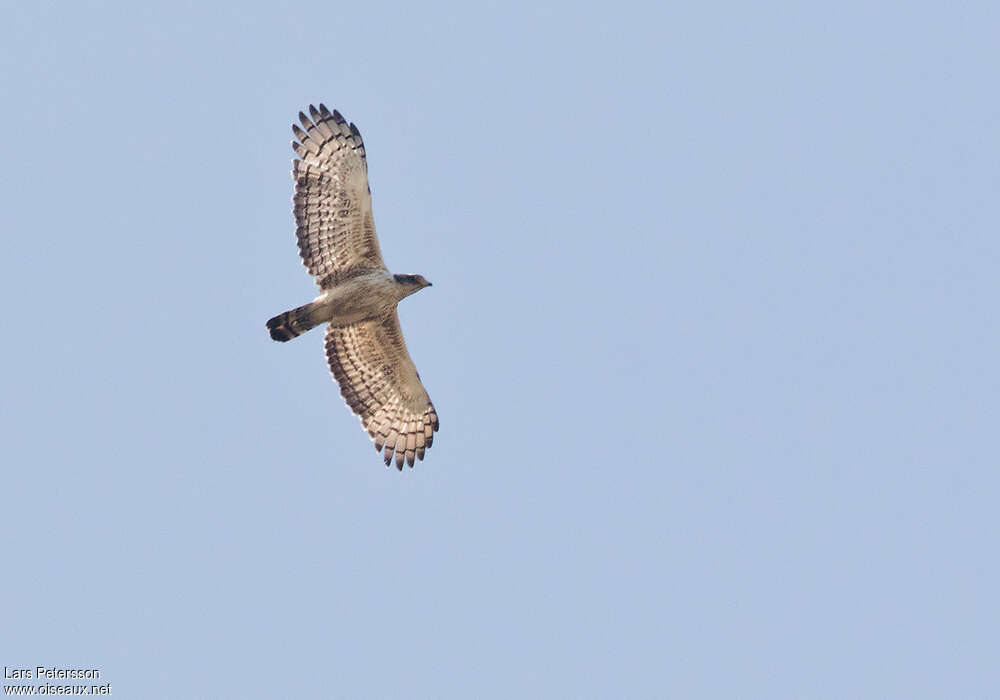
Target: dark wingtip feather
{"type": "Point", "coordinates": [358, 141]}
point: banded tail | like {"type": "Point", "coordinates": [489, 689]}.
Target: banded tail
{"type": "Point", "coordinates": [294, 323]}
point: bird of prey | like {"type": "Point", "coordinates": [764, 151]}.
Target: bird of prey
{"type": "Point", "coordinates": [358, 294]}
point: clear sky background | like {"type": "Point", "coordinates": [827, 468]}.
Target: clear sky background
{"type": "Point", "coordinates": [713, 339]}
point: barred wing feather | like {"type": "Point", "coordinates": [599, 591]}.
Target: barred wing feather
{"type": "Point", "coordinates": [332, 203]}
{"type": "Point", "coordinates": [380, 384]}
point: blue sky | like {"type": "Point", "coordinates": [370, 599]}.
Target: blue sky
{"type": "Point", "coordinates": [712, 338]}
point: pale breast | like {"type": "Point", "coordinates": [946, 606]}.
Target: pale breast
{"type": "Point", "coordinates": [364, 297]}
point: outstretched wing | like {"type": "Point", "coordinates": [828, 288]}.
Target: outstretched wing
{"type": "Point", "coordinates": [332, 202]}
{"type": "Point", "coordinates": [379, 382]}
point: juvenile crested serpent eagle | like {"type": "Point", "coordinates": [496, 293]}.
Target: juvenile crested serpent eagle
{"type": "Point", "coordinates": [358, 294]}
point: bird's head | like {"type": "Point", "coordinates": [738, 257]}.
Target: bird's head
{"type": "Point", "coordinates": [412, 283]}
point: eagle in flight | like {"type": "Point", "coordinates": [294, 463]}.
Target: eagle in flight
{"type": "Point", "coordinates": [358, 294]}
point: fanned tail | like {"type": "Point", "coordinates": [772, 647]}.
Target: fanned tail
{"type": "Point", "coordinates": [292, 324]}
